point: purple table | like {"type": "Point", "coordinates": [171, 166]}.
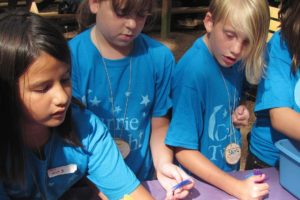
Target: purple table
{"type": "Point", "coordinates": [205, 191]}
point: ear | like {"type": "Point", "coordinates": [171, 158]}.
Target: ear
{"type": "Point", "coordinates": [208, 22]}
{"type": "Point", "coordinates": [94, 6]}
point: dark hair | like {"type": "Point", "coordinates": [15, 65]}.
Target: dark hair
{"type": "Point", "coordinates": [23, 36]}
{"type": "Point", "coordinates": [289, 15]}
{"type": "Point", "coordinates": [121, 7]}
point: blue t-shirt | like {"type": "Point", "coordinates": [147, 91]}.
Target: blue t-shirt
{"type": "Point", "coordinates": [201, 117]}
{"type": "Point", "coordinates": [98, 159]}
{"type": "Point", "coordinates": [279, 88]}
{"type": "Point", "coordinates": [151, 68]}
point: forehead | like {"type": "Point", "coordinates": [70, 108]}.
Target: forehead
{"type": "Point", "coordinates": [46, 65]}
{"type": "Point", "coordinates": [230, 27]}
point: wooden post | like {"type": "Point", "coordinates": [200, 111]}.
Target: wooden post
{"type": "Point", "coordinates": [166, 18]}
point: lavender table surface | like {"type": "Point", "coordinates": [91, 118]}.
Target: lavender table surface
{"type": "Point", "coordinates": [208, 192]}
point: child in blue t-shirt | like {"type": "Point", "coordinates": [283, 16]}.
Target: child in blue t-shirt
{"type": "Point", "coordinates": [277, 106]}
{"type": "Point", "coordinates": [123, 76]}
{"type": "Point", "coordinates": [48, 145]}
{"type": "Point", "coordinates": [206, 91]}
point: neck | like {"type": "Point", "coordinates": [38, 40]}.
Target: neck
{"type": "Point", "coordinates": [107, 49]}
{"type": "Point", "coordinates": [206, 42]}
{"type": "Point", "coordinates": [35, 136]}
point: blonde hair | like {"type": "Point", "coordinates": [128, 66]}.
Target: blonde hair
{"type": "Point", "coordinates": [252, 18]}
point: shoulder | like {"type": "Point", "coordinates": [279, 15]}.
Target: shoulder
{"type": "Point", "coordinates": [86, 124]}
{"type": "Point", "coordinates": [83, 39]}
{"type": "Point", "coordinates": [153, 47]}
{"type": "Point", "coordinates": [277, 48]}
{"type": "Point", "coordinates": [196, 61]}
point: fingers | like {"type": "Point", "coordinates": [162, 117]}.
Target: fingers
{"type": "Point", "coordinates": [181, 195]}
{"type": "Point", "coordinates": [241, 116]}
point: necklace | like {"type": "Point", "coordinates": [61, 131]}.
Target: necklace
{"type": "Point", "coordinates": [233, 149]}
{"type": "Point", "coordinates": [123, 146]}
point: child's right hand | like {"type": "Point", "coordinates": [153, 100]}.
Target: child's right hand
{"type": "Point", "coordinates": [169, 175]}
{"type": "Point", "coordinates": [254, 188]}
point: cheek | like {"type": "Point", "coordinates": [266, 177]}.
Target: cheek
{"type": "Point", "coordinates": [141, 23]}
{"type": "Point", "coordinates": [69, 92]}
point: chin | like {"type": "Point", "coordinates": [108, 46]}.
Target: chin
{"type": "Point", "coordinates": [54, 123]}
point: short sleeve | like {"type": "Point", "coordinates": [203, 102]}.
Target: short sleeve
{"type": "Point", "coordinates": [276, 89]}
{"type": "Point", "coordinates": [186, 118]}
{"type": "Point", "coordinates": [106, 166]}
{"type": "Point", "coordinates": [163, 86]}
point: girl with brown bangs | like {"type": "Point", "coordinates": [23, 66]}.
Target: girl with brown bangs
{"type": "Point", "coordinates": [123, 76]}
{"type": "Point", "coordinates": [49, 142]}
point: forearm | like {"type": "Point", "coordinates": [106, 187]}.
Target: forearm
{"type": "Point", "coordinates": [199, 165]}
{"type": "Point", "coordinates": [286, 121]}
{"type": "Point", "coordinates": [161, 153]}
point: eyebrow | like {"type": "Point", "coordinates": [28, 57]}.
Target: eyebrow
{"type": "Point", "coordinates": [43, 82]}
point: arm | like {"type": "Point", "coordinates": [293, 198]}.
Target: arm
{"type": "Point", "coordinates": [286, 121]}
{"type": "Point", "coordinates": [168, 174]}
{"type": "Point", "coordinates": [106, 168]}
{"type": "Point", "coordinates": [203, 168]}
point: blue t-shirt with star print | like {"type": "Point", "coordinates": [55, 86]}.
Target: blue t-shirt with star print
{"type": "Point", "coordinates": [201, 112]}
{"type": "Point", "coordinates": [97, 159]}
{"type": "Point", "coordinates": [138, 85]}
{"type": "Point", "coordinates": [279, 88]}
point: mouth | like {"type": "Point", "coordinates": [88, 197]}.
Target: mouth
{"type": "Point", "coordinates": [59, 114]}
{"type": "Point", "coordinates": [127, 37]}
{"type": "Point", "coordinates": [229, 60]}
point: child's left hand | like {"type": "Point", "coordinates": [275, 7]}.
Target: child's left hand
{"type": "Point", "coordinates": [240, 116]}
{"type": "Point", "coordinates": [169, 175]}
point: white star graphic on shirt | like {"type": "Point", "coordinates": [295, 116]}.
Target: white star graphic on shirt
{"type": "Point", "coordinates": [127, 94]}
{"type": "Point", "coordinates": [145, 100]}
{"type": "Point", "coordinates": [224, 113]}
{"type": "Point", "coordinates": [117, 109]}
{"type": "Point", "coordinates": [95, 101]}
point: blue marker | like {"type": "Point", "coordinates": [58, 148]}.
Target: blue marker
{"type": "Point", "coordinates": [181, 184]}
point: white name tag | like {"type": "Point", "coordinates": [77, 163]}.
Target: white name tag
{"type": "Point", "coordinates": [68, 169]}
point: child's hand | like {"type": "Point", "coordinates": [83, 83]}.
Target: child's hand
{"type": "Point", "coordinates": [254, 188]}
{"type": "Point", "coordinates": [240, 116]}
{"type": "Point", "coordinates": [169, 175]}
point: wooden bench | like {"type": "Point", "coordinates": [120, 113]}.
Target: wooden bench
{"type": "Point", "coordinates": [167, 10]}
{"type": "Point", "coordinates": [274, 21]}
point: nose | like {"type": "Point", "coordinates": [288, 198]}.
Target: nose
{"type": "Point", "coordinates": [61, 95]}
{"type": "Point", "coordinates": [131, 22]}
{"type": "Point", "coordinates": [236, 48]}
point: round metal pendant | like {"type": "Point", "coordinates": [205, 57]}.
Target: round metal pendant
{"type": "Point", "coordinates": [232, 153]}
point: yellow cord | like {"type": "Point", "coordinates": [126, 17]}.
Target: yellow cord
{"type": "Point", "coordinates": [127, 197]}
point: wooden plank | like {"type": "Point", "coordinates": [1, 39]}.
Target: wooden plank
{"type": "Point", "coordinates": [166, 18]}
{"type": "Point", "coordinates": [56, 15]}
{"type": "Point", "coordinates": [273, 12]}
{"type": "Point", "coordinates": [274, 26]}
{"type": "Point", "coordinates": [183, 10]}
{"type": "Point", "coordinates": [274, 21]}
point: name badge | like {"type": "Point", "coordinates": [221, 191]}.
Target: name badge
{"type": "Point", "coordinates": [68, 169]}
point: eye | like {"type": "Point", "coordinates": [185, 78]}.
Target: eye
{"type": "Point", "coordinates": [42, 89]}
{"type": "Point", "coordinates": [229, 35]}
